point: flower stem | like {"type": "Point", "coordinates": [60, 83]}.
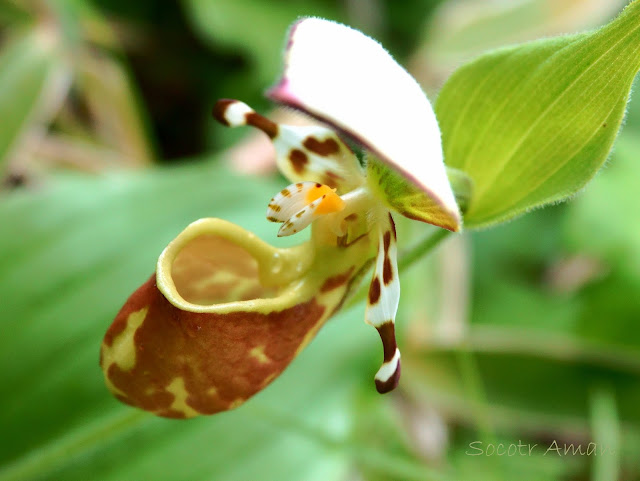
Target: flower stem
{"type": "Point", "coordinates": [423, 247]}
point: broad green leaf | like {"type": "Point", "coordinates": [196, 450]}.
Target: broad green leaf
{"type": "Point", "coordinates": [72, 251]}
{"type": "Point", "coordinates": [532, 124]}
{"type": "Point", "coordinates": [25, 65]}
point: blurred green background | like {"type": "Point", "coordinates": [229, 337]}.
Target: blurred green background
{"type": "Point", "coordinates": [523, 334]}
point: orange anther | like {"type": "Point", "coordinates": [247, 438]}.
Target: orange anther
{"type": "Point", "coordinates": [332, 202]}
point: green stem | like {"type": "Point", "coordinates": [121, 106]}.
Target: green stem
{"type": "Point", "coordinates": [425, 246]}
{"type": "Point", "coordinates": [405, 260]}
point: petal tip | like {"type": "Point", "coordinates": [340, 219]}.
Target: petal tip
{"type": "Point", "coordinates": [388, 385]}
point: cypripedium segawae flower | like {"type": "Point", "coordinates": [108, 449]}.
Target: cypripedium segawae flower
{"type": "Point", "coordinates": [225, 313]}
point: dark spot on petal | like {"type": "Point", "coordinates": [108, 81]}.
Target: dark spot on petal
{"type": "Point", "coordinates": [285, 192]}
{"type": "Point", "coordinates": [323, 148]}
{"type": "Point", "coordinates": [275, 207]}
{"type": "Point", "coordinates": [387, 333]}
{"type": "Point", "coordinates": [332, 179]}
{"type": "Point", "coordinates": [273, 219]}
{"type": "Point", "coordinates": [220, 110]}
{"type": "Point", "coordinates": [336, 281]}
{"type": "Point", "coordinates": [387, 273]}
{"type": "Point", "coordinates": [258, 121]}
{"type": "Point", "coordinates": [344, 241]}
{"type": "Point", "coordinates": [387, 241]}
{"type": "Point", "coordinates": [300, 214]}
{"type": "Point", "coordinates": [330, 182]}
{"type": "Point", "coordinates": [393, 227]}
{"type": "Point", "coordinates": [374, 291]}
{"type": "Point", "coordinates": [298, 160]}
{"type": "Point", "coordinates": [299, 185]}
{"type": "Point", "coordinates": [351, 217]}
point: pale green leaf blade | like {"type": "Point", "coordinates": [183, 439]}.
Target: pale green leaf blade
{"type": "Point", "coordinates": [25, 66]}
{"type": "Point", "coordinates": [532, 124]}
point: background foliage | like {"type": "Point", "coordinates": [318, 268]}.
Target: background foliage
{"type": "Point", "coordinates": [527, 332]}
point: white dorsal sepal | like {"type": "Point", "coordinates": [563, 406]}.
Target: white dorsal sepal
{"type": "Point", "coordinates": [382, 305]}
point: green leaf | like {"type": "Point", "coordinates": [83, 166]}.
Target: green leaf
{"type": "Point", "coordinates": [25, 66]}
{"type": "Point", "coordinates": [532, 124]}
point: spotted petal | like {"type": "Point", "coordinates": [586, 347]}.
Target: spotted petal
{"type": "Point", "coordinates": [311, 153]}
{"type": "Point", "coordinates": [290, 200]}
{"type": "Point", "coordinates": [382, 305]}
{"type": "Point", "coordinates": [350, 81]}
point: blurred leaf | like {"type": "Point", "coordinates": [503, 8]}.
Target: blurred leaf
{"type": "Point", "coordinates": [461, 29]}
{"type": "Point", "coordinates": [532, 124]}
{"type": "Point", "coordinates": [25, 65]}
{"type": "Point", "coordinates": [111, 97]}
{"type": "Point", "coordinates": [524, 391]}
{"type": "Point", "coordinates": [606, 435]}
{"type": "Point", "coordinates": [258, 27]}
{"type": "Point", "coordinates": [515, 302]}
{"type": "Point", "coordinates": [479, 462]}
{"type": "Point", "coordinates": [14, 14]}
{"type": "Point", "coordinates": [603, 221]}
{"type": "Point", "coordinates": [74, 250]}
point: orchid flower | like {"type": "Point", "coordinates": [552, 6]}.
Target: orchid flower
{"type": "Point", "coordinates": [225, 313]}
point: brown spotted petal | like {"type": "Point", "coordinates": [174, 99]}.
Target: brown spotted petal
{"type": "Point", "coordinates": [382, 305]}
{"type": "Point", "coordinates": [223, 316]}
{"type": "Point", "coordinates": [341, 76]}
{"type": "Point", "coordinates": [303, 153]}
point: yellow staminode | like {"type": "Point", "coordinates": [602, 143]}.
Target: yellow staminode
{"type": "Point", "coordinates": [331, 202]}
